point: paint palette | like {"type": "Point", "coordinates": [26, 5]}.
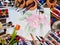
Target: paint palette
{"type": "Point", "coordinates": [4, 13]}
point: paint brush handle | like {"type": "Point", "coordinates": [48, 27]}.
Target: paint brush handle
{"type": "Point", "coordinates": [35, 43]}
{"type": "Point", "coordinates": [39, 40]}
{"type": "Point", "coordinates": [41, 37]}
{"type": "Point", "coordinates": [27, 8]}
{"type": "Point", "coordinates": [47, 42]}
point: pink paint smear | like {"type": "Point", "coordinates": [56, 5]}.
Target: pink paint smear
{"type": "Point", "coordinates": [35, 20]}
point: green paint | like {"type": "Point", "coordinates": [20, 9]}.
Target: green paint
{"type": "Point", "coordinates": [28, 14]}
{"type": "Point", "coordinates": [28, 27]}
{"type": "Point", "coordinates": [34, 29]}
{"type": "Point", "coordinates": [22, 18]}
{"type": "Point", "coordinates": [41, 26]}
{"type": "Point", "coordinates": [29, 30]}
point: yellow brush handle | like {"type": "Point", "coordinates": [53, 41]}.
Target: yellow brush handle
{"type": "Point", "coordinates": [0, 25]}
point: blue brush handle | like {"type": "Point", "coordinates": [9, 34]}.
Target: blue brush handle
{"type": "Point", "coordinates": [42, 1]}
{"type": "Point", "coordinates": [58, 7]}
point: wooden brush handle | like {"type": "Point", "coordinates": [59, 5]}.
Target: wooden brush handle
{"type": "Point", "coordinates": [20, 3]}
{"type": "Point", "coordinates": [31, 4]}
{"type": "Point", "coordinates": [51, 4]}
{"type": "Point", "coordinates": [35, 43]}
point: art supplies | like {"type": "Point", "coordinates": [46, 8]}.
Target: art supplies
{"type": "Point", "coordinates": [56, 38]}
{"type": "Point", "coordinates": [57, 33]}
{"type": "Point", "coordinates": [51, 4]}
{"type": "Point", "coordinates": [52, 38]}
{"type": "Point", "coordinates": [58, 7]}
{"type": "Point", "coordinates": [45, 41]}
{"type": "Point", "coordinates": [55, 12]}
{"type": "Point", "coordinates": [0, 25]}
{"type": "Point", "coordinates": [4, 13]}
{"type": "Point", "coordinates": [42, 1]}
{"type": "Point", "coordinates": [25, 4]}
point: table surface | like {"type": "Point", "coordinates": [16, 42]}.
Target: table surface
{"type": "Point", "coordinates": [15, 16]}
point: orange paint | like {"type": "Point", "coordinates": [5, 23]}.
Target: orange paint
{"type": "Point", "coordinates": [17, 27]}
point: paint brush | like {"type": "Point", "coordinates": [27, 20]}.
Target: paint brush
{"type": "Point", "coordinates": [47, 42]}
{"type": "Point", "coordinates": [39, 40]}
{"type": "Point", "coordinates": [35, 43]}
{"type": "Point", "coordinates": [28, 7]}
